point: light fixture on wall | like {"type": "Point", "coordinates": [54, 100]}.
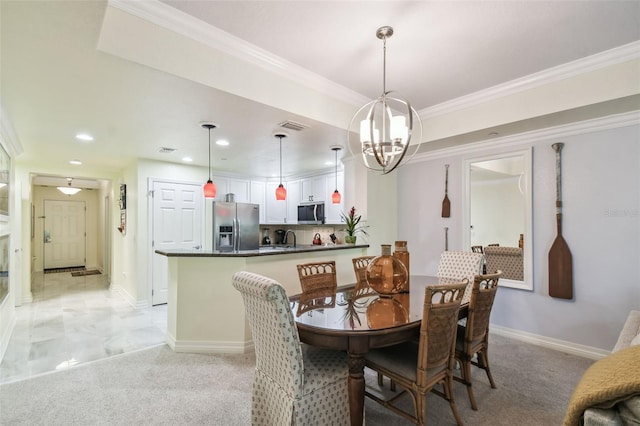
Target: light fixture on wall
{"type": "Point", "coordinates": [336, 197]}
{"type": "Point", "coordinates": [209, 187]}
{"type": "Point", "coordinates": [281, 191]}
{"type": "Point", "coordinates": [384, 138]}
{"type": "Point", "coordinates": [69, 190]}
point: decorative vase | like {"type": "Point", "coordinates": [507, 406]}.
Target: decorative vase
{"type": "Point", "coordinates": [350, 239]}
{"type": "Point", "coordinates": [386, 312]}
{"type": "Point", "coordinates": [385, 274]}
{"type": "Point", "coordinates": [402, 254]}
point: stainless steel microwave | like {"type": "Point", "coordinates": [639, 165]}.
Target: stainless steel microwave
{"type": "Point", "coordinates": [311, 213]}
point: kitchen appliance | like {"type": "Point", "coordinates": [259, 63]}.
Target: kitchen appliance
{"type": "Point", "coordinates": [235, 226]}
{"type": "Point", "coordinates": [266, 240]}
{"type": "Point", "coordinates": [279, 233]}
{"type": "Point", "coordinates": [311, 213]}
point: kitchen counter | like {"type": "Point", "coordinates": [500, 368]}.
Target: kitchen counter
{"type": "Point", "coordinates": [261, 251]}
{"type": "Point", "coordinates": [205, 314]}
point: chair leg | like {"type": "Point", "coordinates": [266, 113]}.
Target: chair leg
{"type": "Point", "coordinates": [466, 377]}
{"type": "Point", "coordinates": [448, 391]}
{"type": "Point", "coordinates": [482, 355]}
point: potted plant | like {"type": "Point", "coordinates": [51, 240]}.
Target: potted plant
{"type": "Point", "coordinates": [352, 220]}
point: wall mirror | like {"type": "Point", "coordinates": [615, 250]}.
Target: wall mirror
{"type": "Point", "coordinates": [497, 215]}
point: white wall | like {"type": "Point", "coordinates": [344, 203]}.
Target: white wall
{"type": "Point", "coordinates": [601, 194]}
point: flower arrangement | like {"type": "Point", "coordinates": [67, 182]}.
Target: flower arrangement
{"type": "Point", "coordinates": [352, 220]}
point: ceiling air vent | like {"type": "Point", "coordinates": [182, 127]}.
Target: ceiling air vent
{"type": "Point", "coordinates": [293, 125]}
{"type": "Point", "coordinates": [165, 150]}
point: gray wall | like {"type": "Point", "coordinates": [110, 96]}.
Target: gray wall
{"type": "Point", "coordinates": [601, 194]}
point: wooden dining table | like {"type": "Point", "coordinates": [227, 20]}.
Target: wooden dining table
{"type": "Point", "coordinates": [356, 320]}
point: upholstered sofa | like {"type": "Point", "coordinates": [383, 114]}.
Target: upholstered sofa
{"type": "Point", "coordinates": [624, 409]}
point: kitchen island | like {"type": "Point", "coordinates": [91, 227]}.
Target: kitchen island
{"type": "Point", "coordinates": [205, 314]}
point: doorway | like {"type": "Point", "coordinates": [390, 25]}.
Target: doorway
{"type": "Point", "coordinates": [176, 224]}
{"type": "Point", "coordinates": [64, 234]}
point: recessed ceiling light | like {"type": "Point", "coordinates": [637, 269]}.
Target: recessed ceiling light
{"type": "Point", "coordinates": [187, 159]}
{"type": "Point", "coordinates": [84, 137]}
{"type": "Point", "coordinates": [222, 142]}
{"type": "Point", "coordinates": [493, 134]}
{"type": "Point", "coordinates": [75, 162]}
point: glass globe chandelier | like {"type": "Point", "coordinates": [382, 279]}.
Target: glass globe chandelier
{"type": "Point", "coordinates": [380, 132]}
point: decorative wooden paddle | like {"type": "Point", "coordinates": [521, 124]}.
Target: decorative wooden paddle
{"type": "Point", "coordinates": [446, 238]}
{"type": "Point", "coordinates": [446, 204]}
{"type": "Point", "coordinates": [560, 261]}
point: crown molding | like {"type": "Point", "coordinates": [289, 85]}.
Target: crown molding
{"type": "Point", "coordinates": [179, 22]}
{"type": "Point", "coordinates": [580, 66]}
{"type": "Point", "coordinates": [175, 20]}
{"type": "Point", "coordinates": [529, 138]}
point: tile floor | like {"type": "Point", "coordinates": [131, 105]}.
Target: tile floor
{"type": "Point", "coordinates": [74, 320]}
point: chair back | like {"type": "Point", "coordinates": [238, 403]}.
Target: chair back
{"type": "Point", "coordinates": [275, 336]}
{"type": "Point", "coordinates": [438, 328]}
{"type": "Point", "coordinates": [318, 277]}
{"type": "Point", "coordinates": [483, 294]}
{"type": "Point", "coordinates": [459, 265]}
{"type": "Point", "coordinates": [476, 249]}
{"type": "Point", "coordinates": [360, 268]}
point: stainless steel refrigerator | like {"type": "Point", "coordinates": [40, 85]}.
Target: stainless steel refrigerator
{"type": "Point", "coordinates": [235, 226]}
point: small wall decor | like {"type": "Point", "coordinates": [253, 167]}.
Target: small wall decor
{"type": "Point", "coordinates": [123, 209]}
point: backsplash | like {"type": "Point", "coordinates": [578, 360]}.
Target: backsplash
{"type": "Point", "coordinates": [305, 233]}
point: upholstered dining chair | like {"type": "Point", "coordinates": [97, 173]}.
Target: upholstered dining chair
{"type": "Point", "coordinates": [419, 366]}
{"type": "Point", "coordinates": [294, 383]}
{"type": "Point", "coordinates": [458, 265]}
{"type": "Point", "coordinates": [473, 337]}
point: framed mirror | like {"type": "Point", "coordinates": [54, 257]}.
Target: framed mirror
{"type": "Point", "coordinates": [497, 214]}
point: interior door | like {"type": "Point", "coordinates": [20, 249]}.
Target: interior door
{"type": "Point", "coordinates": [177, 224]}
{"type": "Point", "coordinates": [64, 234]}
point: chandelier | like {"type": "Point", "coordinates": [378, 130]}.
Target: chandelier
{"type": "Point", "coordinates": [281, 191]}
{"type": "Point", "coordinates": [386, 125]}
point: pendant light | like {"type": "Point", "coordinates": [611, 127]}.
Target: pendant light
{"type": "Point", "coordinates": [209, 187]}
{"type": "Point", "coordinates": [336, 197]}
{"type": "Point", "coordinates": [281, 191]}
{"type": "Point", "coordinates": [385, 125]}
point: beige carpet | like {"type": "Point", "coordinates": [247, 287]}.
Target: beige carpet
{"type": "Point", "coordinates": [158, 386]}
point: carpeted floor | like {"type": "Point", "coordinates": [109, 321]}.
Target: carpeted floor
{"type": "Point", "coordinates": [158, 386]}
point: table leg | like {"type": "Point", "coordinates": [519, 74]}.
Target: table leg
{"type": "Point", "coordinates": [356, 389]}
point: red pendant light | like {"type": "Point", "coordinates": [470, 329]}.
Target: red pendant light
{"type": "Point", "coordinates": [209, 187]}
{"type": "Point", "coordinates": [281, 191]}
{"type": "Point", "coordinates": [336, 197]}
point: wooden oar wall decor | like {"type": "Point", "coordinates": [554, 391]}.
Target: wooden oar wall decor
{"type": "Point", "coordinates": [446, 204]}
{"type": "Point", "coordinates": [560, 259]}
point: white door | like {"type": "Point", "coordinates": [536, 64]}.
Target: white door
{"type": "Point", "coordinates": [64, 234]}
{"type": "Point", "coordinates": [177, 224]}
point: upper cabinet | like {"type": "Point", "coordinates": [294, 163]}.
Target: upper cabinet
{"type": "Point", "coordinates": [241, 189]}
{"type": "Point", "coordinates": [294, 196]}
{"type": "Point", "coordinates": [276, 210]}
{"type": "Point", "coordinates": [258, 196]}
{"type": "Point", "coordinates": [314, 189]}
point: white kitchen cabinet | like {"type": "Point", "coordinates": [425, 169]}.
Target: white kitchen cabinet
{"type": "Point", "coordinates": [222, 187]}
{"type": "Point", "coordinates": [258, 190]}
{"type": "Point", "coordinates": [332, 211]}
{"type": "Point", "coordinates": [241, 189]}
{"type": "Point", "coordinates": [314, 189]}
{"type": "Point", "coordinates": [293, 199]}
{"type": "Point", "coordinates": [276, 210]}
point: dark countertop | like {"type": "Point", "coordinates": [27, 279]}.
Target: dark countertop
{"type": "Point", "coordinates": [262, 251]}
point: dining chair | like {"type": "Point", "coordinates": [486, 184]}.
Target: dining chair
{"type": "Point", "coordinates": [419, 366]}
{"type": "Point", "coordinates": [294, 383]}
{"type": "Point", "coordinates": [473, 338]}
{"type": "Point", "coordinates": [458, 265]}
{"type": "Point", "coordinates": [360, 268]}
{"type": "Point", "coordinates": [476, 249]}
{"type": "Point", "coordinates": [318, 276]}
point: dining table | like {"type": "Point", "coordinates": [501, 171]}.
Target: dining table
{"type": "Point", "coordinates": [356, 319]}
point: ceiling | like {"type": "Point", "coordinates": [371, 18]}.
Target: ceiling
{"type": "Point", "coordinates": [55, 82]}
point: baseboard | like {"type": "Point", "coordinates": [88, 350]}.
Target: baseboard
{"type": "Point", "coordinates": [548, 342]}
{"type": "Point", "coordinates": [208, 347]}
{"type": "Point", "coordinates": [128, 298]}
